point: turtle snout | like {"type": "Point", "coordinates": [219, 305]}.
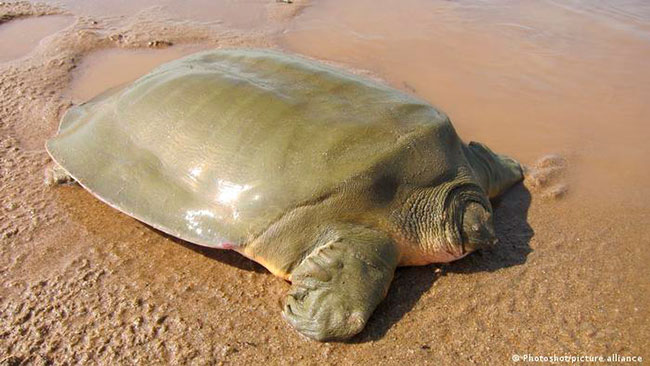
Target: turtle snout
{"type": "Point", "coordinates": [477, 229]}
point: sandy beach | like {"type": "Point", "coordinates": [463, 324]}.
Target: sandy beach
{"type": "Point", "coordinates": [563, 87]}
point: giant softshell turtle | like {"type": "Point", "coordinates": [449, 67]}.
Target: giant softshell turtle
{"type": "Point", "coordinates": [327, 179]}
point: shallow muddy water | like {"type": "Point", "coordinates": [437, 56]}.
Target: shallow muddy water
{"type": "Point", "coordinates": [112, 67]}
{"type": "Point", "coordinates": [528, 78]}
{"type": "Point", "coordinates": [235, 13]}
{"type": "Point", "coordinates": [83, 283]}
{"type": "Point", "coordinates": [19, 37]}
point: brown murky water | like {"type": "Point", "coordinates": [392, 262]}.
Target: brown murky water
{"type": "Point", "coordinates": [21, 36]}
{"type": "Point", "coordinates": [83, 283]}
{"type": "Point", "coordinates": [235, 13]}
{"type": "Point", "coordinates": [528, 78]}
{"type": "Point", "coordinates": [112, 67]}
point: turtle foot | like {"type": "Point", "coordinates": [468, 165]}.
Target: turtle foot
{"type": "Point", "coordinates": [56, 175]}
{"type": "Point", "coordinates": [338, 286]}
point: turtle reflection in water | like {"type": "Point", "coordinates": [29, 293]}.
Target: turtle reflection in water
{"type": "Point", "coordinates": [327, 179]}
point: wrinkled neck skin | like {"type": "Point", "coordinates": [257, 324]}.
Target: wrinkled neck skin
{"type": "Point", "coordinates": [432, 220]}
{"type": "Point", "coordinates": [448, 220]}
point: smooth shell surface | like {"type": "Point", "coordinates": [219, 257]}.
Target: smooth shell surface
{"type": "Point", "coordinates": [214, 147]}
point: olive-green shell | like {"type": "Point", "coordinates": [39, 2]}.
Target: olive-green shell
{"type": "Point", "coordinates": [214, 147]}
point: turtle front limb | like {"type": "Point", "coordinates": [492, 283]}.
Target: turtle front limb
{"type": "Point", "coordinates": [496, 173]}
{"type": "Point", "coordinates": [338, 285]}
{"type": "Point", "coordinates": [56, 175]}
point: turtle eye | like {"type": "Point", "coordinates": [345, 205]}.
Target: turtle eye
{"type": "Point", "coordinates": [477, 230]}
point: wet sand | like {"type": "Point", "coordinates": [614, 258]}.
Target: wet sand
{"type": "Point", "coordinates": [85, 284]}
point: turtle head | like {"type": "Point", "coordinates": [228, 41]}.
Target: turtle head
{"type": "Point", "coordinates": [465, 221]}
{"type": "Point", "coordinates": [448, 221]}
{"type": "Point", "coordinates": [476, 228]}
{"type": "Point", "coordinates": [453, 216]}
{"type": "Point", "coordinates": [448, 213]}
